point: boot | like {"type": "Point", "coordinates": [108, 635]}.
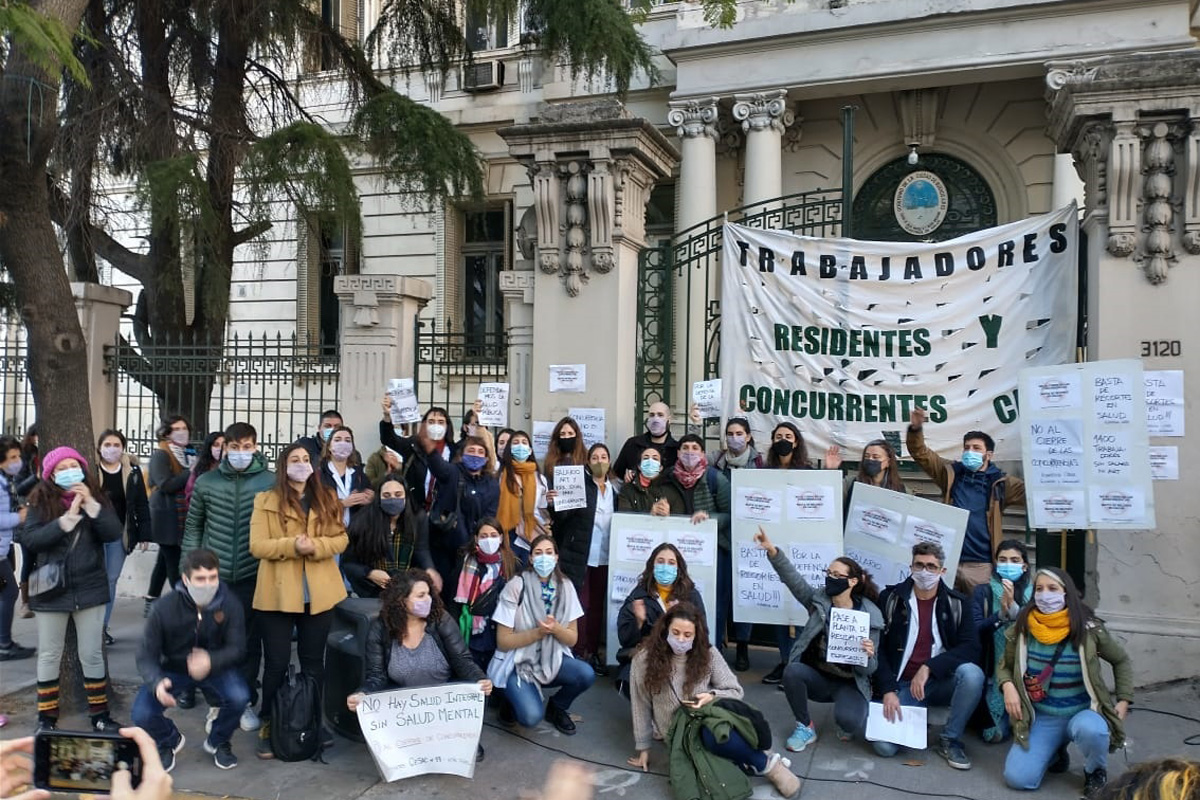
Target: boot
{"type": "Point", "coordinates": [782, 778]}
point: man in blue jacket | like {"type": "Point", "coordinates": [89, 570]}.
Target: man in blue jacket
{"type": "Point", "coordinates": [929, 652]}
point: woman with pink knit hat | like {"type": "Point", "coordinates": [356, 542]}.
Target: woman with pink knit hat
{"type": "Point", "coordinates": [68, 522]}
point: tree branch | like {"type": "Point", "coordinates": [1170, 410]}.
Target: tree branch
{"type": "Point", "coordinates": [252, 231]}
{"type": "Point", "coordinates": [135, 265]}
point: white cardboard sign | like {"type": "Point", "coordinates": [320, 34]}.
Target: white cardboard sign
{"type": "Point", "coordinates": [420, 731]}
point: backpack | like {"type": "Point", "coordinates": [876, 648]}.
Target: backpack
{"type": "Point", "coordinates": [296, 718]}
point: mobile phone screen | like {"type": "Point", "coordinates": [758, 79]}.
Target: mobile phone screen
{"type": "Point", "coordinates": [84, 762]}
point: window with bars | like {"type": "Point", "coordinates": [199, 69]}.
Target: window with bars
{"type": "Point", "coordinates": [343, 16]}
{"type": "Point", "coordinates": [324, 251]}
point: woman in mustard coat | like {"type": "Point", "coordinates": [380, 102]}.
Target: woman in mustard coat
{"type": "Point", "coordinates": [296, 532]}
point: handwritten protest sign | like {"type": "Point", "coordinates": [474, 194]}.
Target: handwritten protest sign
{"type": "Point", "coordinates": [493, 405]}
{"type": "Point", "coordinates": [421, 731]}
{"type": "Point", "coordinates": [542, 431]}
{"type": "Point", "coordinates": [707, 397]}
{"type": "Point", "coordinates": [591, 424]}
{"type": "Point", "coordinates": [1164, 402]}
{"type": "Point", "coordinates": [568, 488]}
{"type": "Point", "coordinates": [404, 401]}
{"type": "Point", "coordinates": [844, 634]}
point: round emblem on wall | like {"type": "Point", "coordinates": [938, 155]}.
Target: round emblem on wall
{"type": "Point", "coordinates": [920, 202]}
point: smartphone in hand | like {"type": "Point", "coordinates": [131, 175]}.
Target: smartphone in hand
{"type": "Point", "coordinates": [70, 761]}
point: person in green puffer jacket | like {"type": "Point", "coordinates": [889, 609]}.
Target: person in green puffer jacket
{"type": "Point", "coordinates": [219, 519]}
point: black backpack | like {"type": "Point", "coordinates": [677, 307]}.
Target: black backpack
{"type": "Point", "coordinates": [296, 718]}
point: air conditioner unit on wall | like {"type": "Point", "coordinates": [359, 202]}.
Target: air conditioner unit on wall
{"type": "Point", "coordinates": [483, 76]}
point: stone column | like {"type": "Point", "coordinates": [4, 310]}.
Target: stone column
{"type": "Point", "coordinates": [1128, 120]}
{"type": "Point", "coordinates": [764, 116]}
{"type": "Point", "coordinates": [100, 309]}
{"type": "Point", "coordinates": [517, 287]}
{"type": "Point", "coordinates": [377, 314]}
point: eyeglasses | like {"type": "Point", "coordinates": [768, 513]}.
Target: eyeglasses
{"type": "Point", "coordinates": [829, 574]}
{"type": "Point", "coordinates": [926, 568]}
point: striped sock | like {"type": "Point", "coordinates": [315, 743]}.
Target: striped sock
{"type": "Point", "coordinates": [47, 699]}
{"type": "Point", "coordinates": [97, 696]}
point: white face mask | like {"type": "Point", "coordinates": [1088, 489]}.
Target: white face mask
{"type": "Point", "coordinates": [926, 580]}
{"type": "Point", "coordinates": [490, 545]}
{"type": "Point", "coordinates": [1050, 602]}
{"type": "Point", "coordinates": [435, 431]}
{"type": "Point", "coordinates": [202, 596]}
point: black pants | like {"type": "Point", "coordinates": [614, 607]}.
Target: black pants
{"type": "Point", "coordinates": [244, 592]}
{"type": "Point", "coordinates": [311, 632]}
{"type": "Point", "coordinates": [166, 568]}
{"type": "Point", "coordinates": [802, 683]}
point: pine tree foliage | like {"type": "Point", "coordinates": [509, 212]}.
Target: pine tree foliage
{"type": "Point", "coordinates": [46, 41]}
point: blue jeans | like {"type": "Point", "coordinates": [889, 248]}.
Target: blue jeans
{"type": "Point", "coordinates": [724, 613]}
{"type": "Point", "coordinates": [960, 691]}
{"type": "Point", "coordinates": [574, 677]}
{"type": "Point", "coordinates": [114, 560]}
{"type": "Point", "coordinates": [736, 749]}
{"type": "Point", "coordinates": [1025, 768]}
{"type": "Point", "coordinates": [226, 687]}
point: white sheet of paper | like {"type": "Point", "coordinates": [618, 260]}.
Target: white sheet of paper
{"type": "Point", "coordinates": [569, 491]}
{"type": "Point", "coordinates": [922, 530]}
{"type": "Point", "coordinates": [1115, 504]}
{"type": "Point", "coordinates": [591, 424]}
{"type": "Point", "coordinates": [404, 401]}
{"type": "Point", "coordinates": [1057, 510]}
{"type": "Point", "coordinates": [884, 571]}
{"type": "Point", "coordinates": [1164, 402]}
{"type": "Point", "coordinates": [758, 583]}
{"type": "Point", "coordinates": [568, 378]}
{"type": "Point", "coordinates": [1112, 398]}
{"type": "Point", "coordinates": [421, 731]}
{"type": "Point", "coordinates": [811, 560]}
{"type": "Point", "coordinates": [1054, 392]}
{"type": "Point", "coordinates": [1164, 463]}
{"type": "Point", "coordinates": [541, 433]}
{"type": "Point", "coordinates": [881, 523]}
{"type": "Point", "coordinates": [637, 545]}
{"type": "Point", "coordinates": [707, 397]}
{"type": "Point", "coordinates": [763, 505]}
{"type": "Point", "coordinates": [811, 503]}
{"type": "Point", "coordinates": [1110, 454]}
{"type": "Point", "coordinates": [844, 634]}
{"type": "Point", "coordinates": [622, 585]}
{"type": "Point", "coordinates": [912, 730]}
{"type": "Point", "coordinates": [493, 405]}
{"type": "Point", "coordinates": [697, 549]}
{"type": "Point", "coordinates": [1056, 455]}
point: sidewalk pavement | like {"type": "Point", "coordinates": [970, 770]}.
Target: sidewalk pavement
{"type": "Point", "coordinates": [517, 760]}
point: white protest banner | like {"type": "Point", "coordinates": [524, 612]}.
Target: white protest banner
{"type": "Point", "coordinates": [1164, 463]}
{"type": "Point", "coordinates": [706, 395]}
{"type": "Point", "coordinates": [591, 424]}
{"type": "Point", "coordinates": [493, 405]}
{"type": "Point", "coordinates": [568, 378]}
{"type": "Point", "coordinates": [845, 337]}
{"type": "Point", "coordinates": [810, 533]}
{"type": "Point", "coordinates": [906, 519]}
{"type": "Point", "coordinates": [404, 401]}
{"type": "Point", "coordinates": [421, 731]}
{"type": "Point", "coordinates": [633, 537]}
{"type": "Point", "coordinates": [844, 634]}
{"type": "Point", "coordinates": [1087, 458]}
{"type": "Point", "coordinates": [569, 491]}
{"type": "Point", "coordinates": [1164, 402]}
{"type": "Point", "coordinates": [541, 434]}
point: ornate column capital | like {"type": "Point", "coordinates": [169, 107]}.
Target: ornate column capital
{"type": "Point", "coordinates": [762, 111]}
{"type": "Point", "coordinates": [694, 117]}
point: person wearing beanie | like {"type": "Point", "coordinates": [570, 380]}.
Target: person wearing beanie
{"type": "Point", "coordinates": [68, 523]}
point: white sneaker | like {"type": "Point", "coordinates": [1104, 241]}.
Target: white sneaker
{"type": "Point", "coordinates": [250, 720]}
{"type": "Point", "coordinates": [210, 718]}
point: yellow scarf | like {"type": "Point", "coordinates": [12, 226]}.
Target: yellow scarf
{"type": "Point", "coordinates": [514, 508]}
{"type": "Point", "coordinates": [1049, 628]}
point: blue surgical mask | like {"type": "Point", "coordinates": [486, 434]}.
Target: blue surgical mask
{"type": "Point", "coordinates": [544, 564]}
{"type": "Point", "coordinates": [665, 574]}
{"type": "Point", "coordinates": [240, 459]}
{"type": "Point", "coordinates": [474, 463]}
{"type": "Point", "coordinates": [68, 477]}
{"type": "Point", "coordinates": [650, 468]}
{"type": "Point", "coordinates": [521, 452]}
{"type": "Point", "coordinates": [326, 433]}
{"type": "Point", "coordinates": [972, 460]}
{"type": "Point", "coordinates": [1010, 572]}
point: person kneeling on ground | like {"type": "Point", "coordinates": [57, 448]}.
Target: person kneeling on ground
{"type": "Point", "coordinates": [415, 643]}
{"type": "Point", "coordinates": [1054, 690]}
{"type": "Point", "coordinates": [195, 636]}
{"type": "Point", "coordinates": [680, 689]}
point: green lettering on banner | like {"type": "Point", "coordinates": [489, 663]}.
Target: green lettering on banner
{"type": "Point", "coordinates": [1006, 408]}
{"type": "Point", "coordinates": [991, 328]}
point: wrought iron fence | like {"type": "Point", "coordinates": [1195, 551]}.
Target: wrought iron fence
{"type": "Point", "coordinates": [450, 365]}
{"type": "Point", "coordinates": [17, 411]}
{"type": "Point", "coordinates": [273, 382]}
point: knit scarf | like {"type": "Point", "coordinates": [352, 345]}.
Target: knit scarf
{"type": "Point", "coordinates": [517, 508]}
{"type": "Point", "coordinates": [478, 573]}
{"type": "Point", "coordinates": [687, 477]}
{"type": "Point", "coordinates": [737, 462]}
{"type": "Point", "coordinates": [539, 662]}
{"type": "Point", "coordinates": [1049, 628]}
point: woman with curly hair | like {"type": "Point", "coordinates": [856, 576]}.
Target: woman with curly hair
{"type": "Point", "coordinates": [415, 643]}
{"type": "Point", "coordinates": [663, 583]}
{"type": "Point", "coordinates": [675, 667]}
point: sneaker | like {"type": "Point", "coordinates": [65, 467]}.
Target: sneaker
{"type": "Point", "coordinates": [210, 718]}
{"type": "Point", "coordinates": [952, 750]}
{"type": "Point", "coordinates": [1061, 762]}
{"type": "Point", "coordinates": [250, 720]}
{"type": "Point", "coordinates": [802, 737]}
{"type": "Point", "coordinates": [560, 719]}
{"type": "Point", "coordinates": [843, 735]}
{"type": "Point", "coordinates": [167, 751]}
{"type": "Point", "coordinates": [106, 724]}
{"type": "Point", "coordinates": [187, 700]}
{"type": "Point", "coordinates": [775, 676]}
{"type": "Point", "coordinates": [222, 754]}
{"type": "Point", "coordinates": [1093, 783]}
{"type": "Point", "coordinates": [263, 750]}
{"type": "Point", "coordinates": [14, 652]}
{"type": "Point", "coordinates": [741, 660]}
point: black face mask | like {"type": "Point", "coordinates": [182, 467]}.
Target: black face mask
{"type": "Point", "coordinates": [872, 467]}
{"type": "Point", "coordinates": [835, 586]}
{"type": "Point", "coordinates": [782, 448]}
{"type": "Point", "coordinates": [565, 444]}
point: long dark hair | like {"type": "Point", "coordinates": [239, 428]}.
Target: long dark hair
{"type": "Point", "coordinates": [204, 459]}
{"type": "Point", "coordinates": [799, 452]}
{"type": "Point", "coordinates": [506, 462]}
{"type": "Point", "coordinates": [745, 424]}
{"type": "Point", "coordinates": [891, 470]}
{"type": "Point", "coordinates": [508, 559]}
{"type": "Point", "coordinates": [554, 457]}
{"type": "Point", "coordinates": [47, 499]}
{"type": "Point", "coordinates": [1079, 614]}
{"type": "Point", "coordinates": [682, 588]}
{"type": "Point", "coordinates": [448, 439]}
{"type": "Point", "coordinates": [659, 655]}
{"type": "Point", "coordinates": [866, 584]}
{"type": "Point", "coordinates": [391, 601]}
{"type": "Point", "coordinates": [601, 446]}
{"type": "Point", "coordinates": [324, 500]}
{"type": "Point", "coordinates": [537, 540]}
{"type": "Point", "coordinates": [1020, 583]}
{"type": "Point", "coordinates": [370, 530]}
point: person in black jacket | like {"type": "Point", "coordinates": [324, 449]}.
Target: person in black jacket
{"type": "Point", "coordinates": [386, 537]}
{"type": "Point", "coordinates": [415, 643]}
{"type": "Point", "coordinates": [170, 467]}
{"type": "Point", "coordinates": [121, 478]}
{"type": "Point", "coordinates": [417, 477]}
{"type": "Point", "coordinates": [195, 636]}
{"type": "Point", "coordinates": [929, 652]}
{"type": "Point", "coordinates": [657, 435]}
{"type": "Point", "coordinates": [330, 419]}
{"type": "Point", "coordinates": [68, 522]}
